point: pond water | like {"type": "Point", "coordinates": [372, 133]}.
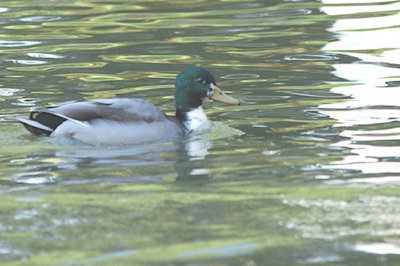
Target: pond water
{"type": "Point", "coordinates": [305, 172]}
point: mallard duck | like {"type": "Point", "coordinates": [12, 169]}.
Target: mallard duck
{"type": "Point", "coordinates": [121, 121]}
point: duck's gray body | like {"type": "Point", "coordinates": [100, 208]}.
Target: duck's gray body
{"type": "Point", "coordinates": [107, 121]}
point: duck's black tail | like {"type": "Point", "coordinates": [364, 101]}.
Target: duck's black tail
{"type": "Point", "coordinates": [41, 123]}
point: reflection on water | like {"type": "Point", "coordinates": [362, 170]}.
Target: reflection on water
{"type": "Point", "coordinates": [304, 172]}
{"type": "Point", "coordinates": [379, 248]}
{"type": "Point", "coordinates": [369, 118]}
{"type": "Point", "coordinates": [187, 158]}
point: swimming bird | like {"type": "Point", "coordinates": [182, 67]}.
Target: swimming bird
{"type": "Point", "coordinates": [122, 121]}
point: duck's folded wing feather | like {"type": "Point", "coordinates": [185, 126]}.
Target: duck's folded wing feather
{"type": "Point", "coordinates": [117, 109]}
{"type": "Point", "coordinates": [128, 110]}
{"type": "Point", "coordinates": [80, 111]}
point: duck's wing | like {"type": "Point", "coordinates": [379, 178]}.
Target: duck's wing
{"type": "Point", "coordinates": [128, 110]}
{"type": "Point", "coordinates": [43, 121]}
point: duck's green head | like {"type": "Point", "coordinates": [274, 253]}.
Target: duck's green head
{"type": "Point", "coordinates": [193, 85]}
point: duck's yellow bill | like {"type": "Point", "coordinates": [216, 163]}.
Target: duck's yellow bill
{"type": "Point", "coordinates": [220, 96]}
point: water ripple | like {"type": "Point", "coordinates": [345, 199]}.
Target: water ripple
{"type": "Point", "coordinates": [312, 57]}
{"type": "Point", "coordinates": [45, 55]}
{"type": "Point", "coordinates": [40, 18]}
{"type": "Point", "coordinates": [277, 14]}
{"type": "Point", "coordinates": [35, 177]}
{"type": "Point", "coordinates": [29, 62]}
{"type": "Point", "coordinates": [241, 76]}
{"type": "Point", "coordinates": [8, 91]}
{"type": "Point", "coordinates": [12, 44]}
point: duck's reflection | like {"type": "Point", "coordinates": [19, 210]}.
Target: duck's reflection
{"type": "Point", "coordinates": [192, 162]}
{"type": "Point", "coordinates": [73, 163]}
{"type": "Point", "coordinates": [187, 158]}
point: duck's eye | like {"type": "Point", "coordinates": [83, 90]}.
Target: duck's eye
{"type": "Point", "coordinates": [210, 90]}
{"type": "Point", "coordinates": [200, 80]}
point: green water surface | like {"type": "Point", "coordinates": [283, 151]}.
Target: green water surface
{"type": "Point", "coordinates": [304, 172]}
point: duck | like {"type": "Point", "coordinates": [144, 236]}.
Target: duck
{"type": "Point", "coordinates": [126, 121]}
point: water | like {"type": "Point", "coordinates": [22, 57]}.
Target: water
{"type": "Point", "coordinates": [304, 172]}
